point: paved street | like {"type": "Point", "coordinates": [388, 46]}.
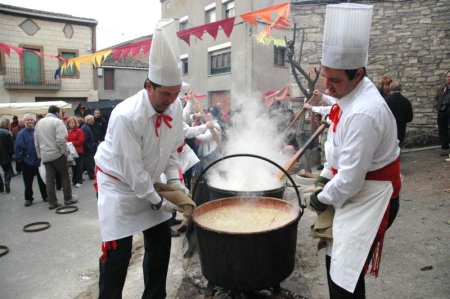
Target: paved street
{"type": "Point", "coordinates": [62, 261]}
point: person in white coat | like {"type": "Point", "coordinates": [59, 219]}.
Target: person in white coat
{"type": "Point", "coordinates": [140, 145]}
{"type": "Point", "coordinates": [362, 170]}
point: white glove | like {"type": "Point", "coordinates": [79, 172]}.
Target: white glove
{"type": "Point", "coordinates": [179, 186]}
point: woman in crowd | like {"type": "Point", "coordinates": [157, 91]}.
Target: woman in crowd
{"type": "Point", "coordinates": [76, 136]}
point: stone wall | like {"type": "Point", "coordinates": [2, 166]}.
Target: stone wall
{"type": "Point", "coordinates": [409, 42]}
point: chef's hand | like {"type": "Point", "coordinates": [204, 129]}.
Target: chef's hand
{"type": "Point", "coordinates": [314, 203]}
{"type": "Point", "coordinates": [179, 186]}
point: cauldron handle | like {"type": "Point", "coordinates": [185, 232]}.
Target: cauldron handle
{"type": "Point", "coordinates": [302, 206]}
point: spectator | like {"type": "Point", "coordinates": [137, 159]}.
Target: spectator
{"type": "Point", "coordinates": [76, 136]}
{"type": "Point", "coordinates": [50, 139]}
{"type": "Point", "coordinates": [80, 110]}
{"type": "Point", "coordinates": [401, 108]}
{"type": "Point", "coordinates": [442, 105]}
{"type": "Point", "coordinates": [209, 149]}
{"type": "Point", "coordinates": [99, 127]}
{"type": "Point", "coordinates": [6, 155]}
{"type": "Point", "coordinates": [89, 146]}
{"type": "Point", "coordinates": [384, 88]}
{"type": "Point", "coordinates": [25, 151]}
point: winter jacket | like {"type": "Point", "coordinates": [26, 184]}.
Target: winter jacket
{"type": "Point", "coordinates": [89, 141]}
{"type": "Point", "coordinates": [50, 138]}
{"type": "Point", "coordinates": [6, 146]}
{"type": "Point", "coordinates": [24, 148]}
{"type": "Point", "coordinates": [76, 136]}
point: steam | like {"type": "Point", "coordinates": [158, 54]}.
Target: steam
{"type": "Point", "coordinates": [252, 132]}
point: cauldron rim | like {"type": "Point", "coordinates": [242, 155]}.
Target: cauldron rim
{"type": "Point", "coordinates": [239, 198]}
{"type": "Point", "coordinates": [281, 188]}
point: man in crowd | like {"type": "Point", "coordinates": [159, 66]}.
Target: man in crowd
{"type": "Point", "coordinates": [99, 127]}
{"type": "Point", "coordinates": [141, 143]}
{"type": "Point", "coordinates": [50, 139]}
{"type": "Point", "coordinates": [89, 146]}
{"type": "Point", "coordinates": [362, 172]}
{"type": "Point", "coordinates": [6, 155]}
{"type": "Point", "coordinates": [442, 105]}
{"type": "Point", "coordinates": [401, 108]}
{"type": "Point", "coordinates": [25, 151]}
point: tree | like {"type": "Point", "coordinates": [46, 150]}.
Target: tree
{"type": "Point", "coordinates": [296, 67]}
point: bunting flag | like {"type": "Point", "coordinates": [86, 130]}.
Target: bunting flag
{"type": "Point", "coordinates": [267, 40]}
{"type": "Point", "coordinates": [132, 49]}
{"type": "Point", "coordinates": [7, 49]}
{"type": "Point", "coordinates": [281, 22]}
{"type": "Point", "coordinates": [94, 58]}
{"type": "Point", "coordinates": [212, 29]}
{"type": "Point", "coordinates": [265, 14]}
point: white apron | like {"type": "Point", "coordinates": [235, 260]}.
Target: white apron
{"type": "Point", "coordinates": [121, 213]}
{"type": "Point", "coordinates": [355, 226]}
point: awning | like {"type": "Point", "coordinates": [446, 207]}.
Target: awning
{"type": "Point", "coordinates": [31, 107]}
{"type": "Point", "coordinates": [275, 95]}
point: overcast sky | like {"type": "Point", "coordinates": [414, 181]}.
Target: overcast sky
{"type": "Point", "coordinates": [118, 21]}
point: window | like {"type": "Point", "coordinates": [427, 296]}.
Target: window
{"type": "Point", "coordinates": [210, 13]}
{"type": "Point", "coordinates": [220, 61]}
{"type": "Point", "coordinates": [279, 55]}
{"type": "Point", "coordinates": [228, 8]}
{"type": "Point", "coordinates": [108, 77]}
{"type": "Point", "coordinates": [184, 66]}
{"type": "Point", "coordinates": [69, 72]}
{"type": "Point", "coordinates": [183, 23]}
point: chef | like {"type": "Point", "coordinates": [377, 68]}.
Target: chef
{"type": "Point", "coordinates": [141, 143]}
{"type": "Point", "coordinates": [362, 172]}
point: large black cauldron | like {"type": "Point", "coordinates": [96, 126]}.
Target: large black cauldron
{"type": "Point", "coordinates": [247, 262]}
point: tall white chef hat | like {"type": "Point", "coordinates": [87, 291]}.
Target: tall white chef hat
{"type": "Point", "coordinates": [346, 35]}
{"type": "Point", "coordinates": [164, 60]}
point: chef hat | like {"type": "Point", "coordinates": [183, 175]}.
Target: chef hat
{"type": "Point", "coordinates": [346, 36]}
{"type": "Point", "coordinates": [164, 60]}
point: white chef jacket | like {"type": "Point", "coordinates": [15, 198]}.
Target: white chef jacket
{"type": "Point", "coordinates": [208, 144]}
{"type": "Point", "coordinates": [131, 159]}
{"type": "Point", "coordinates": [365, 140]}
{"type": "Point", "coordinates": [187, 156]}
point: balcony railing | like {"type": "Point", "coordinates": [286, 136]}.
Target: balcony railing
{"type": "Point", "coordinates": [16, 78]}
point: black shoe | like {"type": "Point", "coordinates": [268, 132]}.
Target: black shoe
{"type": "Point", "coordinates": [70, 202]}
{"type": "Point", "coordinates": [28, 203]}
{"type": "Point", "coordinates": [51, 207]}
{"type": "Point", "coordinates": [58, 188]}
{"type": "Point", "coordinates": [7, 188]}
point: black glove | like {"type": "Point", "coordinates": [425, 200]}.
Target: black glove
{"type": "Point", "coordinates": [321, 181]}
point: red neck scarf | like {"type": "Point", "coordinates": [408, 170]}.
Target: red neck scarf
{"type": "Point", "coordinates": [162, 118]}
{"type": "Point", "coordinates": [335, 114]}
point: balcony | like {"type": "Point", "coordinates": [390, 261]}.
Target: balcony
{"type": "Point", "coordinates": [16, 78]}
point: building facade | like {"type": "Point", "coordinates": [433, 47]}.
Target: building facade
{"type": "Point", "coordinates": [409, 42]}
{"type": "Point", "coordinates": [232, 66]}
{"type": "Point", "coordinates": [34, 78]}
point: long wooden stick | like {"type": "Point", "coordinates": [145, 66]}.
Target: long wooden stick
{"type": "Point", "coordinates": [299, 115]}
{"type": "Point", "coordinates": [290, 164]}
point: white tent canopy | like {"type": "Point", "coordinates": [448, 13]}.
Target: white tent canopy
{"type": "Point", "coordinates": [31, 107]}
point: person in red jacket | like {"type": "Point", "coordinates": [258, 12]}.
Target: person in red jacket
{"type": "Point", "coordinates": [76, 136]}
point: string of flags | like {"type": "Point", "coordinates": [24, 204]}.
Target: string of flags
{"type": "Point", "coordinates": [280, 22]}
